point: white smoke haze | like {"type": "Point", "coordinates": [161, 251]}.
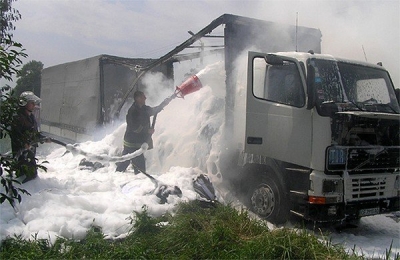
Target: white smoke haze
{"type": "Point", "coordinates": [185, 126]}
{"type": "Point", "coordinates": [157, 87]}
{"type": "Point", "coordinates": [214, 76]}
{"type": "Point", "coordinates": [56, 32]}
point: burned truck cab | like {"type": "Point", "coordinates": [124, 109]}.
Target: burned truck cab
{"type": "Point", "coordinates": [327, 143]}
{"type": "Point", "coordinates": [363, 154]}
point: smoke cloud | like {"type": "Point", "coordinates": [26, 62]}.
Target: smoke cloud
{"type": "Point", "coordinates": [56, 32]}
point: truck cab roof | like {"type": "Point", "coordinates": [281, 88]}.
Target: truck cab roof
{"type": "Point", "coordinates": [303, 56]}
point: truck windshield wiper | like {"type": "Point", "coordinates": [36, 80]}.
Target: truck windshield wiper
{"type": "Point", "coordinates": [344, 102]}
{"type": "Point", "coordinates": [389, 106]}
{"type": "Point", "coordinates": [371, 101]}
{"type": "Point", "coordinates": [356, 105]}
{"type": "Point", "coordinates": [376, 104]}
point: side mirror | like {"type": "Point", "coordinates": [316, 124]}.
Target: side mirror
{"type": "Point", "coordinates": [273, 59]}
{"type": "Point", "coordinates": [310, 87]}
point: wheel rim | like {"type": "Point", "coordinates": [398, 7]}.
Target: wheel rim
{"type": "Point", "coordinates": [263, 201]}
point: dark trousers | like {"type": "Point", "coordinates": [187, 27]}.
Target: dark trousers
{"type": "Point", "coordinates": [27, 164]}
{"type": "Point", "coordinates": [138, 163]}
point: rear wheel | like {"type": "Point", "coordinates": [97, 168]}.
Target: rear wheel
{"type": "Point", "coordinates": [268, 200]}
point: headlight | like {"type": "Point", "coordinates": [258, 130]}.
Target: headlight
{"type": "Point", "coordinates": [336, 158]}
{"type": "Point", "coordinates": [332, 186]}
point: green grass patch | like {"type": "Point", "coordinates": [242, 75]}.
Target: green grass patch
{"type": "Point", "coordinates": [192, 232]}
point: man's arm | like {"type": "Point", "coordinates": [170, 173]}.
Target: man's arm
{"type": "Point", "coordinates": [157, 109]}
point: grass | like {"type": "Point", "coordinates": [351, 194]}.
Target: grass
{"type": "Point", "coordinates": [192, 232]}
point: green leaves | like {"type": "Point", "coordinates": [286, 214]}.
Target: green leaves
{"type": "Point", "coordinates": [29, 78]}
{"type": "Point", "coordinates": [11, 54]}
{"type": "Point", "coordinates": [12, 193]}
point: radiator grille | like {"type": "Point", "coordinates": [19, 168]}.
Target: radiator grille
{"type": "Point", "coordinates": [368, 187]}
{"type": "Point", "coordinates": [360, 159]}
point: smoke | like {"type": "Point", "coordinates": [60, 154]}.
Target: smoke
{"type": "Point", "coordinates": [158, 87]}
{"type": "Point", "coordinates": [132, 29]}
{"type": "Point", "coordinates": [188, 131]}
{"type": "Point", "coordinates": [191, 132]}
{"type": "Point", "coordinates": [214, 76]}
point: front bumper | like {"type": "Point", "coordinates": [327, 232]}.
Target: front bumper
{"type": "Point", "coordinates": [349, 211]}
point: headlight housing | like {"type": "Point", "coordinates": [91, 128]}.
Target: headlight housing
{"type": "Point", "coordinates": [336, 158]}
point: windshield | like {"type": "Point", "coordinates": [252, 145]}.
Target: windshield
{"type": "Point", "coordinates": [364, 88]}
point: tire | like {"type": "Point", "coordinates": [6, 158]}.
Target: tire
{"type": "Point", "coordinates": [268, 200]}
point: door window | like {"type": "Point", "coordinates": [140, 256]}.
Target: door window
{"type": "Point", "coordinates": [278, 83]}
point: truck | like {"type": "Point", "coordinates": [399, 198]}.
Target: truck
{"type": "Point", "coordinates": [321, 138]}
{"type": "Point", "coordinates": [309, 135]}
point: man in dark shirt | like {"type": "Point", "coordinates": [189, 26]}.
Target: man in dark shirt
{"type": "Point", "coordinates": [138, 130]}
{"type": "Point", "coordinates": [25, 136]}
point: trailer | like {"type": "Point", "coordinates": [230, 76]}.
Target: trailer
{"type": "Point", "coordinates": [80, 98]}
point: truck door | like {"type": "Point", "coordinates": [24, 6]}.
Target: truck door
{"type": "Point", "coordinates": [278, 125]}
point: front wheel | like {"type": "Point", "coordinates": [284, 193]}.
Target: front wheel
{"type": "Point", "coordinates": [268, 200]}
